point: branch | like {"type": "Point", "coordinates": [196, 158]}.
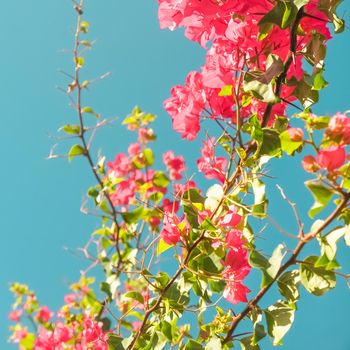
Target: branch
{"type": "Point", "coordinates": [291, 261]}
{"type": "Point", "coordinates": [289, 60]}
{"type": "Point", "coordinates": [76, 83]}
{"type": "Point", "coordinates": [149, 312]}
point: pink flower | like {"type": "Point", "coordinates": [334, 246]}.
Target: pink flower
{"type": "Point", "coordinates": [136, 326]}
{"type": "Point", "coordinates": [212, 167]}
{"type": "Point", "coordinates": [309, 164]}
{"type": "Point", "coordinates": [203, 215]}
{"type": "Point", "coordinates": [70, 298]}
{"type": "Point", "coordinates": [124, 193]}
{"type": "Point", "coordinates": [154, 221]}
{"type": "Point", "coordinates": [15, 315]}
{"type": "Point", "coordinates": [236, 269]}
{"type": "Point", "coordinates": [170, 232]}
{"type": "Point", "coordinates": [121, 165]}
{"type": "Point", "coordinates": [134, 149]}
{"type": "Point", "coordinates": [170, 206]}
{"type": "Point", "coordinates": [231, 218]}
{"type": "Point", "coordinates": [93, 331]}
{"type": "Point", "coordinates": [339, 128]}
{"type": "Point", "coordinates": [180, 189]}
{"type": "Point", "coordinates": [175, 165]}
{"type": "Point", "coordinates": [18, 335]}
{"type": "Point", "coordinates": [234, 239]}
{"type": "Point", "coordinates": [146, 135]}
{"type": "Point", "coordinates": [44, 314]}
{"type": "Point", "coordinates": [331, 158]}
{"type": "Point", "coordinates": [232, 28]}
{"type": "Point", "coordinates": [296, 134]}
{"type": "Point", "coordinates": [62, 333]}
{"type": "Point", "coordinates": [185, 105]}
{"type": "Point", "coordinates": [236, 292]}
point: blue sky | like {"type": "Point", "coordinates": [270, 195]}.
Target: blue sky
{"type": "Point", "coordinates": [41, 199]}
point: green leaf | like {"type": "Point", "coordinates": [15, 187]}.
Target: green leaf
{"type": "Point", "coordinates": [319, 82]}
{"type": "Point", "coordinates": [193, 345]}
{"type": "Point", "coordinates": [329, 7]}
{"type": "Point", "coordinates": [135, 296]}
{"type": "Point", "coordinates": [261, 91]}
{"type": "Point", "coordinates": [276, 260]}
{"type": "Point", "coordinates": [253, 127]}
{"type": "Point", "coordinates": [167, 330]}
{"type": "Point", "coordinates": [86, 43]}
{"type": "Point", "coordinates": [84, 26]}
{"type": "Point", "coordinates": [115, 342]}
{"type": "Point", "coordinates": [271, 144]}
{"type": "Point", "coordinates": [329, 243]}
{"type": "Point", "coordinates": [106, 288]}
{"type": "Point", "coordinates": [157, 342]}
{"type": "Point", "coordinates": [103, 232]}
{"type": "Point", "coordinates": [226, 91]}
{"type": "Point", "coordinates": [259, 333]}
{"type": "Point", "coordinates": [133, 216]}
{"type": "Point", "coordinates": [27, 343]}
{"type": "Point", "coordinates": [316, 280]}
{"type": "Point", "coordinates": [177, 297]}
{"type": "Point", "coordinates": [288, 285]}
{"type": "Point", "coordinates": [281, 124]}
{"type": "Point", "coordinates": [162, 247]}
{"type": "Point", "coordinates": [104, 206]}
{"type": "Point", "coordinates": [257, 260]}
{"type": "Point", "coordinates": [106, 324]}
{"type": "Point", "coordinates": [79, 62]}
{"type": "Point", "coordinates": [279, 319]}
{"type": "Point", "coordinates": [260, 202]}
{"type": "Point", "coordinates": [75, 151]}
{"type": "Point", "coordinates": [274, 67]}
{"type": "Point", "coordinates": [321, 195]}
{"type": "Point", "coordinates": [318, 123]}
{"type": "Point", "coordinates": [287, 144]}
{"type": "Point", "coordinates": [162, 278]}
{"type": "Point", "coordinates": [315, 51]}
{"type": "Point", "coordinates": [90, 110]}
{"type": "Point", "coordinates": [71, 129]}
{"type": "Point", "coordinates": [246, 344]}
{"type": "Point", "coordinates": [149, 157]}
{"type": "Point", "coordinates": [305, 93]}
{"type": "Point", "coordinates": [92, 192]}
{"type": "Point", "coordinates": [217, 286]}
{"type": "Point", "coordinates": [269, 267]}
{"type": "Point", "coordinates": [160, 179]}
{"type": "Point", "coordinates": [300, 3]}
{"type": "Point", "coordinates": [138, 118]}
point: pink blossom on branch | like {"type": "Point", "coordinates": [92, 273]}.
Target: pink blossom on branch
{"type": "Point", "coordinates": [331, 158]}
{"type": "Point", "coordinates": [236, 269]}
{"type": "Point", "coordinates": [309, 164]}
{"type": "Point", "coordinates": [170, 232]}
{"type": "Point", "coordinates": [231, 218]}
{"type": "Point", "coordinates": [44, 314]}
{"type": "Point", "coordinates": [339, 128]}
{"type": "Point", "coordinates": [213, 167]}
{"type": "Point", "coordinates": [175, 165]}
{"type": "Point", "coordinates": [232, 27]}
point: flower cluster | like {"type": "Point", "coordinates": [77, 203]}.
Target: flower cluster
{"type": "Point", "coordinates": [213, 167]}
{"type": "Point", "coordinates": [236, 261]}
{"type": "Point", "coordinates": [332, 154]}
{"type": "Point", "coordinates": [244, 37]}
{"type": "Point", "coordinates": [68, 329]}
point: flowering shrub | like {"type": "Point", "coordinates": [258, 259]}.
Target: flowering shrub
{"type": "Point", "coordinates": [262, 57]}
